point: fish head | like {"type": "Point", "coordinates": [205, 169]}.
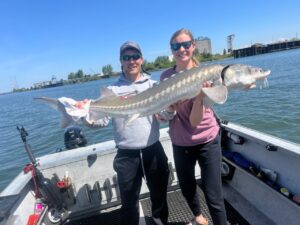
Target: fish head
{"type": "Point", "coordinates": [244, 76]}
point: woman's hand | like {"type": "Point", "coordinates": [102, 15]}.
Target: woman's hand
{"type": "Point", "coordinates": [201, 95]}
{"type": "Point", "coordinates": [196, 115]}
{"type": "Point", "coordinates": [207, 84]}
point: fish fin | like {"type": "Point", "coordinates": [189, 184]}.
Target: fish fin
{"type": "Point", "coordinates": [106, 95]}
{"type": "Point", "coordinates": [216, 94]}
{"type": "Point", "coordinates": [131, 118]}
{"type": "Point", "coordinates": [106, 92]}
{"type": "Point", "coordinates": [61, 105]}
{"type": "Point", "coordinates": [65, 120]}
{"type": "Point", "coordinates": [52, 102]}
{"type": "Point", "coordinates": [95, 115]}
{"type": "Point", "coordinates": [208, 102]}
{"type": "Point", "coordinates": [251, 86]}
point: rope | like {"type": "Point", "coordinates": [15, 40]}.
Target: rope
{"type": "Point", "coordinates": [29, 167]}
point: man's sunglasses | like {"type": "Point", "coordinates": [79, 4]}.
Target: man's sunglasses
{"type": "Point", "coordinates": [177, 46]}
{"type": "Point", "coordinates": [128, 57]}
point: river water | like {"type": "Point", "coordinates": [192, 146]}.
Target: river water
{"type": "Point", "coordinates": [275, 111]}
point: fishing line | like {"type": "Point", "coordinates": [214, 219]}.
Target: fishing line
{"type": "Point", "coordinates": [11, 126]}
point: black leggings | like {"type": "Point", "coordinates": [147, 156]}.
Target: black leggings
{"type": "Point", "coordinates": [129, 168]}
{"type": "Point", "coordinates": [208, 156]}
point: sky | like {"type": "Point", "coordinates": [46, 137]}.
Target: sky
{"type": "Point", "coordinates": [41, 39]}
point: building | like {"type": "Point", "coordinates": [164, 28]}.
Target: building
{"type": "Point", "coordinates": [230, 43]}
{"type": "Point", "coordinates": [203, 44]}
{"type": "Point", "coordinates": [258, 49]}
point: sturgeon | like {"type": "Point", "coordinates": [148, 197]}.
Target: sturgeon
{"type": "Point", "coordinates": [181, 86]}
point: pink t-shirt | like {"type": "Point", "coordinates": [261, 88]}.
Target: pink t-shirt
{"type": "Point", "coordinates": [182, 133]}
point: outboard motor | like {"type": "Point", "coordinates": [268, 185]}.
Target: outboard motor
{"type": "Point", "coordinates": [74, 137]}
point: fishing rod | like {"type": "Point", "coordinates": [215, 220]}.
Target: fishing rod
{"type": "Point", "coordinates": [27, 146]}
{"type": "Point", "coordinates": [43, 186]}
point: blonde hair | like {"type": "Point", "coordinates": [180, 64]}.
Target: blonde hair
{"type": "Point", "coordinates": [189, 33]}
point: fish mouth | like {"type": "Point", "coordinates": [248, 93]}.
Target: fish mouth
{"type": "Point", "coordinates": [267, 73]}
{"type": "Point", "coordinates": [263, 74]}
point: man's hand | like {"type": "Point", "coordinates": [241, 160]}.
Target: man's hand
{"type": "Point", "coordinates": [81, 104]}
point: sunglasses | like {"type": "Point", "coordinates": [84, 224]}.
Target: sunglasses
{"type": "Point", "coordinates": [176, 46]}
{"type": "Point", "coordinates": [128, 57]}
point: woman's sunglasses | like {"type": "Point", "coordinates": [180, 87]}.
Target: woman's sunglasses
{"type": "Point", "coordinates": [176, 46]}
{"type": "Point", "coordinates": [128, 57]}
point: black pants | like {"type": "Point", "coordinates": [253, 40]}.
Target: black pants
{"type": "Point", "coordinates": [209, 158]}
{"type": "Point", "coordinates": [130, 170]}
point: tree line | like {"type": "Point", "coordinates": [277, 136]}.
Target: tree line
{"type": "Point", "coordinates": [161, 62]}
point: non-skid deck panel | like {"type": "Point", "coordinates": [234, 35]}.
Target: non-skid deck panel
{"type": "Point", "coordinates": [180, 214]}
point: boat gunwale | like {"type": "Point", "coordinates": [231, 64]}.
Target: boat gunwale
{"type": "Point", "coordinates": [264, 138]}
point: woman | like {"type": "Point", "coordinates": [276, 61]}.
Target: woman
{"type": "Point", "coordinates": [194, 133]}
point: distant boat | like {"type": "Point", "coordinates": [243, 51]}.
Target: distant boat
{"type": "Point", "coordinates": [48, 84]}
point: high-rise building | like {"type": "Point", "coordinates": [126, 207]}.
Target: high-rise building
{"type": "Point", "coordinates": [203, 44]}
{"type": "Point", "coordinates": [229, 43]}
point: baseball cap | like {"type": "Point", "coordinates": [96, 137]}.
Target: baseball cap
{"type": "Point", "coordinates": [130, 45]}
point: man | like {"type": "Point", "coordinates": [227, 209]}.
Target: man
{"type": "Point", "coordinates": [140, 153]}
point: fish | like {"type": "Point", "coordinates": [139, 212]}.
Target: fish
{"type": "Point", "coordinates": [69, 109]}
{"type": "Point", "coordinates": [180, 86]}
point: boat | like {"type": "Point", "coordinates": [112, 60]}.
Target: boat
{"type": "Point", "coordinates": [260, 176]}
{"type": "Point", "coordinates": [48, 84]}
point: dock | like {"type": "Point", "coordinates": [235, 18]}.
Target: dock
{"type": "Point", "coordinates": [258, 49]}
